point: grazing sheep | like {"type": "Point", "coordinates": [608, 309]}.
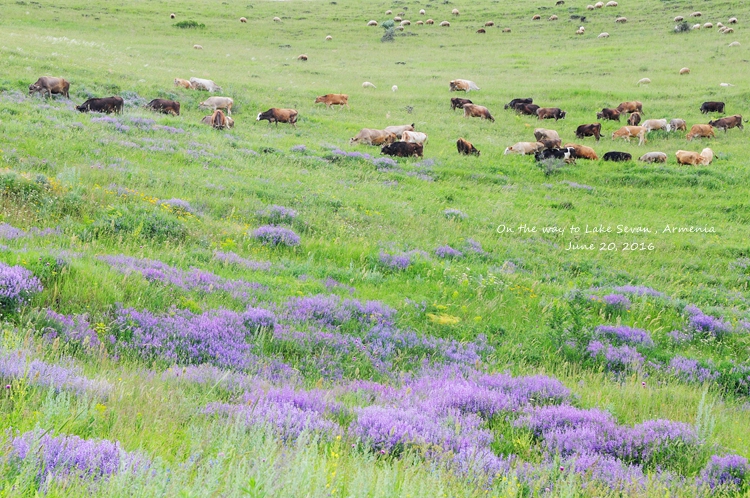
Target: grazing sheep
{"type": "Point", "coordinates": [394, 88]}
{"type": "Point", "coordinates": [734, 44]}
{"type": "Point", "coordinates": [455, 12]}
{"type": "Point", "coordinates": [421, 12]}
{"type": "Point", "coordinates": [397, 19]}
{"type": "Point", "coordinates": [399, 28]}
{"type": "Point", "coordinates": [603, 35]}
{"type": "Point", "coordinates": [506, 30]}
{"type": "Point", "coordinates": [388, 12]}
{"type": "Point", "coordinates": [560, 2]}
{"type": "Point", "coordinates": [419, 23]}
{"type": "Point", "coordinates": [552, 18]}
{"type": "Point", "coordinates": [708, 25]}
{"type": "Point", "coordinates": [719, 25]}
{"type": "Point", "coordinates": [367, 84]}
{"type": "Point", "coordinates": [445, 24]}
{"type": "Point", "coordinates": [198, 47]}
{"type": "Point", "coordinates": [302, 57]}
{"type": "Point", "coordinates": [489, 24]}
{"type": "Point", "coordinates": [679, 19]}
{"type": "Point", "coordinates": [243, 19]}
{"type": "Point", "coordinates": [727, 84]}
{"type": "Point", "coordinates": [611, 4]}
{"type": "Point", "coordinates": [653, 157]}
{"type": "Point", "coordinates": [481, 31]}
{"type": "Point", "coordinates": [372, 23]}
{"type": "Point", "coordinates": [429, 21]}
{"type": "Point", "coordinates": [276, 19]}
{"type": "Point", "coordinates": [329, 38]}
{"type": "Point", "coordinates": [685, 70]}
{"type": "Point", "coordinates": [598, 5]}
{"type": "Point", "coordinates": [696, 26]}
{"type": "Point", "coordinates": [728, 30]}
{"type": "Point", "coordinates": [621, 20]}
{"type": "Point", "coordinates": [579, 31]}
{"type": "Point", "coordinates": [589, 7]}
{"type": "Point", "coordinates": [643, 81]}
{"type": "Point", "coordinates": [536, 17]}
{"type": "Point", "coordinates": [732, 20]}
{"type": "Point", "coordinates": [406, 22]}
{"type": "Point", "coordinates": [172, 16]}
{"type": "Point", "coordinates": [696, 14]}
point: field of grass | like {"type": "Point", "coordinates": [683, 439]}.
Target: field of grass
{"type": "Point", "coordinates": [423, 328]}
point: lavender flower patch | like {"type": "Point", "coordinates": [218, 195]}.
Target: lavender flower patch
{"type": "Point", "coordinates": [332, 311]}
{"type": "Point", "coordinates": [454, 214]}
{"type": "Point", "coordinates": [169, 129]}
{"type": "Point", "coordinates": [10, 232]}
{"type": "Point", "coordinates": [299, 148]}
{"type": "Point", "coordinates": [385, 164]}
{"type": "Point", "coordinates": [616, 302]}
{"type": "Point", "coordinates": [395, 261]}
{"type": "Point", "coordinates": [13, 96]}
{"type": "Point", "coordinates": [178, 206]}
{"type": "Point", "coordinates": [331, 283]}
{"type": "Point", "coordinates": [577, 185]}
{"type": "Point", "coordinates": [472, 246]}
{"type": "Point", "coordinates": [690, 370]}
{"type": "Point", "coordinates": [638, 290]}
{"type": "Point", "coordinates": [707, 324]}
{"type": "Point", "coordinates": [217, 337]}
{"type": "Point", "coordinates": [65, 457]}
{"type": "Point", "coordinates": [621, 334]}
{"type": "Point", "coordinates": [142, 123]}
{"type": "Point", "coordinates": [277, 214]}
{"type": "Point", "coordinates": [725, 473]}
{"type": "Point", "coordinates": [447, 252]}
{"type": "Point", "coordinates": [234, 259]}
{"type": "Point", "coordinates": [679, 337]}
{"type": "Point", "coordinates": [276, 236]}
{"type": "Point", "coordinates": [112, 121]}
{"type": "Point", "coordinates": [618, 358]}
{"type": "Point", "coordinates": [608, 472]}
{"type": "Point", "coordinates": [69, 328]}
{"type": "Point", "coordinates": [18, 364]}
{"type": "Point", "coordinates": [193, 279]}
{"type": "Point", "coordinates": [17, 286]}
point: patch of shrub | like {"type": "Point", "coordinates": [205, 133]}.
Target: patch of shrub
{"type": "Point", "coordinates": [189, 25]}
{"type": "Point", "coordinates": [137, 222]}
{"type": "Point", "coordinates": [683, 27]}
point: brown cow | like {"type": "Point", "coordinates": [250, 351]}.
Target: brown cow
{"type": "Point", "coordinates": [477, 111]}
{"type": "Point", "coordinates": [274, 115]}
{"type": "Point", "coordinates": [463, 86]}
{"type": "Point", "coordinates": [589, 130]}
{"type": "Point", "coordinates": [466, 148]}
{"type": "Point", "coordinates": [165, 106]}
{"type": "Point", "coordinates": [218, 120]}
{"type": "Point", "coordinates": [50, 85]}
{"type": "Point", "coordinates": [728, 122]}
{"type": "Point", "coordinates": [458, 103]}
{"type": "Point", "coordinates": [634, 119]}
{"type": "Point", "coordinates": [693, 158]}
{"type": "Point", "coordinates": [700, 131]}
{"type": "Point", "coordinates": [633, 106]}
{"type": "Point", "coordinates": [549, 113]}
{"type": "Point", "coordinates": [105, 104]}
{"type": "Point", "coordinates": [583, 152]}
{"type": "Point", "coordinates": [333, 99]}
{"type": "Point", "coordinates": [610, 114]}
{"type": "Point", "coordinates": [628, 132]}
{"type": "Point", "coordinates": [527, 109]}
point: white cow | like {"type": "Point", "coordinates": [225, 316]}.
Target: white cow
{"type": "Point", "coordinates": [218, 103]}
{"type": "Point", "coordinates": [656, 124]}
{"type": "Point", "coordinates": [414, 137]}
{"type": "Point", "coordinates": [203, 84]}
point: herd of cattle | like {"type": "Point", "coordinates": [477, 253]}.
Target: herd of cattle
{"type": "Point", "coordinates": [404, 141]}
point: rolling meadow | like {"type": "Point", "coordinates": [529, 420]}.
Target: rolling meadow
{"type": "Point", "coordinates": [271, 311]}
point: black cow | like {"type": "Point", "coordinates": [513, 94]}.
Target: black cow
{"type": "Point", "coordinates": [528, 109]}
{"type": "Point", "coordinates": [458, 103]}
{"type": "Point", "coordinates": [403, 149]}
{"type": "Point", "coordinates": [611, 114]}
{"type": "Point", "coordinates": [513, 103]}
{"type": "Point", "coordinates": [707, 107]}
{"type": "Point", "coordinates": [568, 154]}
{"type": "Point", "coordinates": [589, 130]}
{"type": "Point", "coordinates": [106, 104]}
{"type": "Point", "coordinates": [617, 156]}
{"type": "Point", "coordinates": [165, 106]}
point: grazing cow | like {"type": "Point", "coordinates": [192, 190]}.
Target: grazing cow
{"type": "Point", "coordinates": [458, 103]}
{"type": "Point", "coordinates": [628, 132]}
{"type": "Point", "coordinates": [708, 25]}
{"type": "Point", "coordinates": [678, 124]}
{"type": "Point", "coordinates": [589, 130]}
{"type": "Point", "coordinates": [106, 104]}
{"type": "Point", "coordinates": [50, 85]}
{"type": "Point", "coordinates": [276, 19]}
{"type": "Point", "coordinates": [589, 7]}
{"type": "Point", "coordinates": [617, 156]}
{"type": "Point", "coordinates": [165, 106]}
{"type": "Point", "coordinates": [463, 86]}
{"type": "Point", "coordinates": [656, 124]}
{"type": "Point", "coordinates": [525, 148]}
{"type": "Point", "coordinates": [653, 157]}
{"type": "Point", "coordinates": [405, 22]}
{"type": "Point", "coordinates": [274, 115]}
{"type": "Point", "coordinates": [218, 120]}
{"type": "Point", "coordinates": [403, 149]}
{"type": "Point", "coordinates": [466, 148]}
{"type": "Point", "coordinates": [611, 4]}
{"type": "Point", "coordinates": [685, 70]}
{"type": "Point", "coordinates": [205, 85]}
{"type": "Point", "coordinates": [693, 158]}
{"type": "Point", "coordinates": [182, 83]}
{"type": "Point", "coordinates": [633, 106]}
{"type": "Point", "coordinates": [542, 134]}
{"type": "Point", "coordinates": [583, 152]}
{"type": "Point", "coordinates": [506, 30]}
{"type": "Point", "coordinates": [419, 23]}
{"type": "Point", "coordinates": [609, 114]}
{"type": "Point", "coordinates": [333, 99]}
{"type": "Point", "coordinates": [399, 130]}
{"type": "Point", "coordinates": [549, 113]}
{"type": "Point", "coordinates": [696, 14]}
{"type": "Point", "coordinates": [728, 122]}
{"type": "Point", "coordinates": [700, 131]}
{"type": "Point", "coordinates": [580, 30]}
{"type": "Point", "coordinates": [513, 103]}
{"type": "Point", "coordinates": [598, 5]}
{"type": "Point", "coordinates": [477, 111]}
{"type": "Point", "coordinates": [567, 154]}
{"type": "Point", "coordinates": [218, 103]}
{"type": "Point", "coordinates": [414, 137]}
{"type": "Point", "coordinates": [551, 143]}
{"type": "Point", "coordinates": [369, 136]}
{"type": "Point", "coordinates": [707, 107]}
{"type": "Point", "coordinates": [634, 119]}
{"type": "Point", "coordinates": [527, 109]}
{"type": "Point", "coordinates": [603, 35]}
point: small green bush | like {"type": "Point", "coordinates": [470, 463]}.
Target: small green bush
{"type": "Point", "coordinates": [189, 25]}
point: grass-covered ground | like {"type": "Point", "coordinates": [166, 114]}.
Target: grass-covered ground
{"type": "Point", "coordinates": [156, 342]}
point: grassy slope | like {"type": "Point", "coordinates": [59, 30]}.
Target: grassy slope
{"type": "Point", "coordinates": [348, 213]}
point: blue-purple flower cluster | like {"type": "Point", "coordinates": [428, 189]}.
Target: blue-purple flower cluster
{"type": "Point", "coordinates": [235, 259]}
{"type": "Point", "coordinates": [706, 324]}
{"type": "Point", "coordinates": [447, 252]}
{"type": "Point", "coordinates": [277, 214]}
{"type": "Point", "coordinates": [69, 328]}
{"type": "Point", "coordinates": [689, 370]}
{"type": "Point", "coordinates": [17, 285]}
{"type": "Point", "coordinates": [276, 236]}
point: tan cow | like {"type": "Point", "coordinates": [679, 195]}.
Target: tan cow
{"type": "Point", "coordinates": [633, 106]}
{"type": "Point", "coordinates": [414, 137]}
{"type": "Point", "coordinates": [463, 86]}
{"type": "Point", "coordinates": [542, 134]}
{"type": "Point", "coordinates": [369, 136]}
{"type": "Point", "coordinates": [524, 148]}
{"type": "Point", "coordinates": [584, 152]}
{"type": "Point", "coordinates": [653, 157]}
{"type": "Point", "coordinates": [182, 83]}
{"type": "Point", "coordinates": [218, 103]}
{"type": "Point", "coordinates": [628, 132]}
{"type": "Point", "coordinates": [656, 124]}
{"type": "Point", "coordinates": [333, 99]}
{"type": "Point", "coordinates": [477, 111]}
{"type": "Point", "coordinates": [693, 158]}
{"type": "Point", "coordinates": [49, 85]}
{"type": "Point", "coordinates": [701, 131]}
{"type": "Point", "coordinates": [678, 124]}
{"type": "Point", "coordinates": [399, 129]}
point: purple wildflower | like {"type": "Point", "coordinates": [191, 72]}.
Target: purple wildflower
{"type": "Point", "coordinates": [278, 214]}
{"type": "Point", "coordinates": [168, 129]}
{"type": "Point", "coordinates": [299, 148]}
{"type": "Point", "coordinates": [728, 473]}
{"type": "Point", "coordinates": [690, 370]}
{"type": "Point", "coordinates": [333, 311]}
{"type": "Point", "coordinates": [275, 236]}
{"type": "Point", "coordinates": [9, 232]}
{"type": "Point", "coordinates": [577, 185]}
{"type": "Point", "coordinates": [616, 302]}
{"type": "Point", "coordinates": [701, 322]}
{"type": "Point", "coordinates": [454, 214]}
{"type": "Point", "coordinates": [73, 328]}
{"type": "Point", "coordinates": [384, 163]}
{"type": "Point", "coordinates": [679, 337]}
{"type": "Point", "coordinates": [474, 247]}
{"type": "Point", "coordinates": [178, 205]}
{"type": "Point", "coordinates": [638, 290]}
{"type": "Point", "coordinates": [621, 334]}
{"type": "Point", "coordinates": [232, 258]}
{"type": "Point", "coordinates": [447, 251]}
{"type": "Point", "coordinates": [17, 285]}
{"type": "Point", "coordinates": [618, 357]}
{"type": "Point", "coordinates": [395, 261]}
